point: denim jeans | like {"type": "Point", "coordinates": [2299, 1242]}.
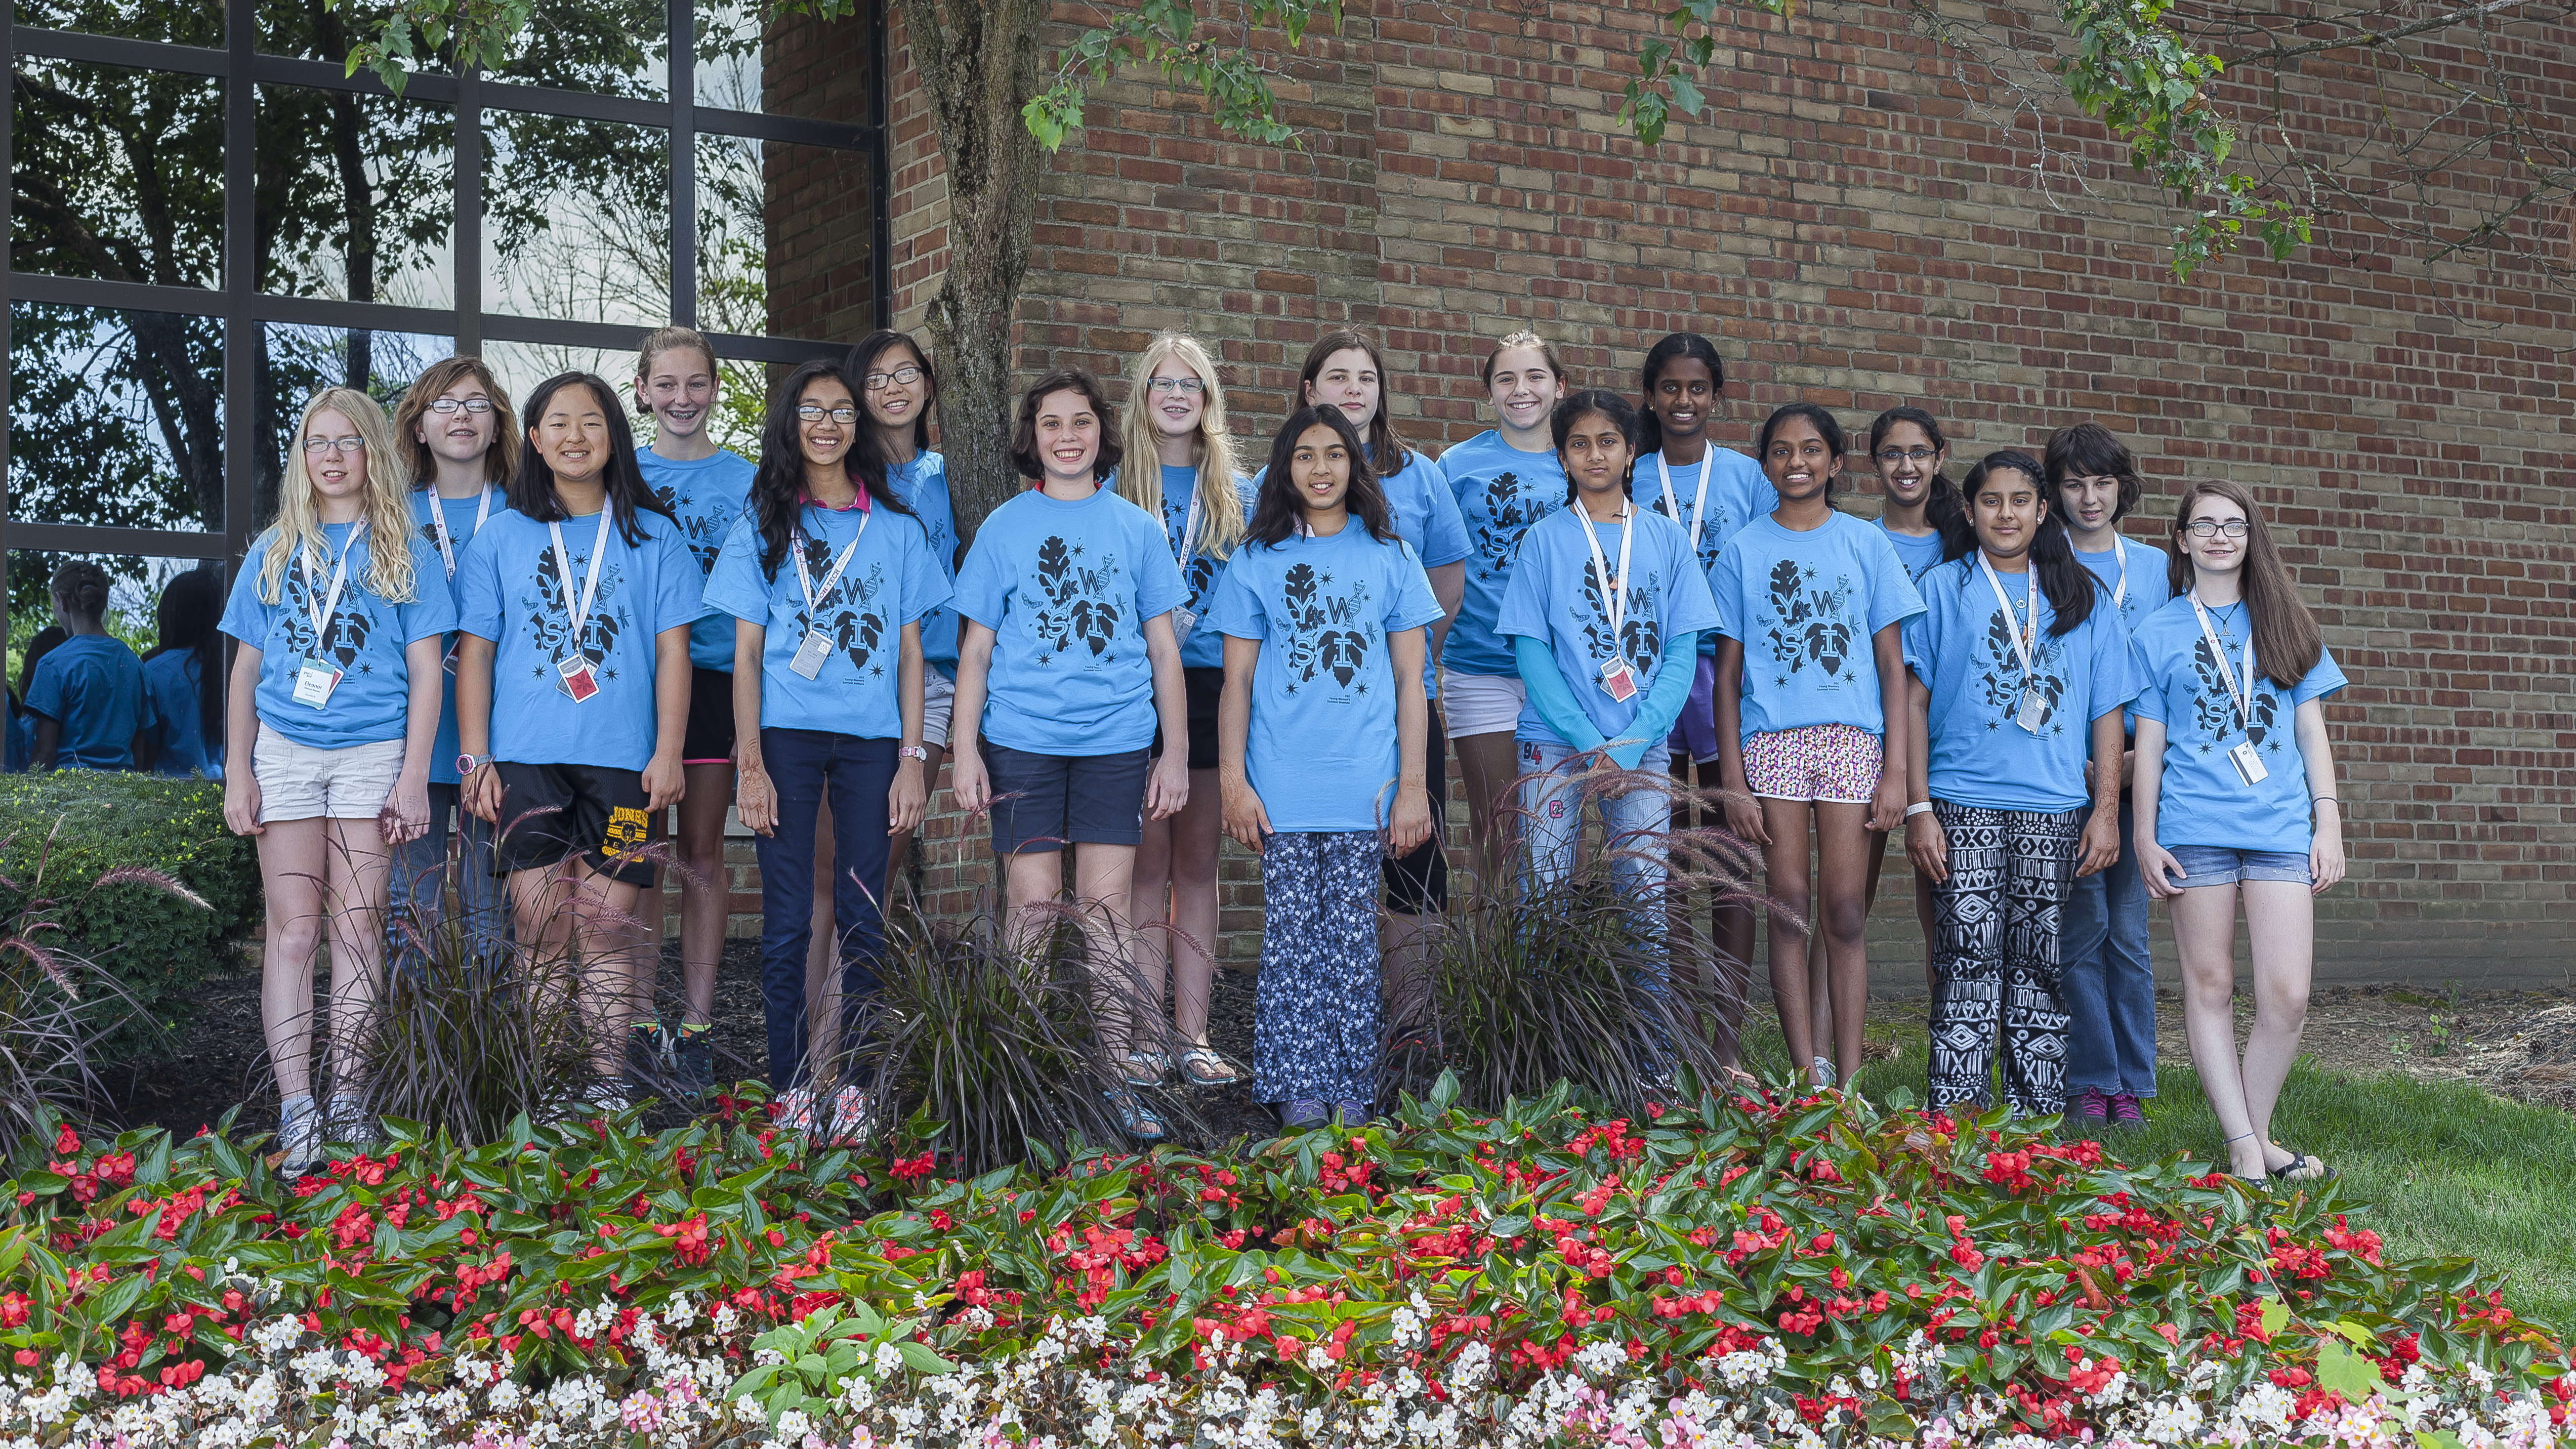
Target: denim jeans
{"type": "Point", "coordinates": [1552, 798]}
{"type": "Point", "coordinates": [803, 765]}
{"type": "Point", "coordinates": [2110, 985]}
{"type": "Point", "coordinates": [417, 887]}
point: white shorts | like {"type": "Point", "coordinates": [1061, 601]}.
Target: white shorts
{"type": "Point", "coordinates": [1480, 704]}
{"type": "Point", "coordinates": [938, 703]}
{"type": "Point", "coordinates": [299, 782]}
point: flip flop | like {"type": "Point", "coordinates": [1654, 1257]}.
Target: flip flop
{"type": "Point", "coordinates": [2300, 1168]}
{"type": "Point", "coordinates": [1146, 1069]}
{"type": "Point", "coordinates": [1134, 1118]}
{"type": "Point", "coordinates": [1204, 1068]}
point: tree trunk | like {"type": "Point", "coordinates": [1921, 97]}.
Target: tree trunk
{"type": "Point", "coordinates": [978, 63]}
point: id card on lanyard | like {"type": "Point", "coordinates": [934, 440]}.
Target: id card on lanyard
{"type": "Point", "coordinates": [816, 646]}
{"type": "Point", "coordinates": [573, 674]}
{"type": "Point", "coordinates": [447, 550]}
{"type": "Point", "coordinates": [2034, 708]}
{"type": "Point", "coordinates": [2249, 765]}
{"type": "Point", "coordinates": [315, 676]}
{"type": "Point", "coordinates": [1617, 680]}
{"type": "Point", "coordinates": [1185, 618]}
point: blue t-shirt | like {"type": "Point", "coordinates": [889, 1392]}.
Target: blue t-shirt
{"type": "Point", "coordinates": [1961, 647]}
{"type": "Point", "coordinates": [922, 484]}
{"type": "Point", "coordinates": [1920, 553]}
{"type": "Point", "coordinates": [1066, 589]}
{"type": "Point", "coordinates": [2202, 801]}
{"type": "Point", "coordinates": [1424, 511]}
{"type": "Point", "coordinates": [514, 595]}
{"type": "Point", "coordinates": [1205, 648]}
{"type": "Point", "coordinates": [1806, 607]}
{"type": "Point", "coordinates": [704, 494]}
{"type": "Point", "coordinates": [1321, 750]}
{"type": "Point", "coordinates": [1500, 492]}
{"type": "Point", "coordinates": [372, 702]}
{"type": "Point", "coordinates": [1738, 493]}
{"type": "Point", "coordinates": [1556, 595]}
{"type": "Point", "coordinates": [92, 685]}
{"type": "Point", "coordinates": [170, 679]}
{"type": "Point", "coordinates": [2147, 587]}
{"type": "Point", "coordinates": [892, 580]}
{"type": "Point", "coordinates": [455, 517]}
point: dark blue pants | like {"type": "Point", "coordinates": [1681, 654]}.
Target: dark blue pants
{"type": "Point", "coordinates": [803, 765]}
{"type": "Point", "coordinates": [2110, 985]}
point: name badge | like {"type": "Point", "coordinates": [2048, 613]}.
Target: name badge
{"type": "Point", "coordinates": [1617, 681]}
{"type": "Point", "coordinates": [811, 654]}
{"type": "Point", "coordinates": [455, 642]}
{"type": "Point", "coordinates": [2249, 765]}
{"type": "Point", "coordinates": [2033, 710]}
{"type": "Point", "coordinates": [575, 677]}
{"type": "Point", "coordinates": [1184, 619]}
{"type": "Point", "coordinates": [314, 681]}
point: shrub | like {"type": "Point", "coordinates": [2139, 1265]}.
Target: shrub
{"type": "Point", "coordinates": [156, 945]}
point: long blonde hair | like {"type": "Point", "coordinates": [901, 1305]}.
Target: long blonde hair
{"type": "Point", "coordinates": [1140, 476]}
{"type": "Point", "coordinates": [384, 508]}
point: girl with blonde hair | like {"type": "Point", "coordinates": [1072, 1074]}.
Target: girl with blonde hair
{"type": "Point", "coordinates": [334, 707]}
{"type": "Point", "coordinates": [1176, 417]}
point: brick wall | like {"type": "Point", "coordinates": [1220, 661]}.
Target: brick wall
{"type": "Point", "coordinates": [1858, 223]}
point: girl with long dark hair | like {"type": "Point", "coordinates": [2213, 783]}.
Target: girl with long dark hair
{"type": "Point", "coordinates": [184, 675]}
{"type": "Point", "coordinates": [1922, 512]}
{"type": "Point", "coordinates": [2013, 765]}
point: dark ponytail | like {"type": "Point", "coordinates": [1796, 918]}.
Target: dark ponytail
{"type": "Point", "coordinates": [1944, 507]}
{"type": "Point", "coordinates": [2069, 585]}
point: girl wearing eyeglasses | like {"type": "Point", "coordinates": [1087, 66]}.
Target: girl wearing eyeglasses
{"type": "Point", "coordinates": [334, 708]}
{"type": "Point", "coordinates": [827, 576]}
{"type": "Point", "coordinates": [1179, 466]}
{"type": "Point", "coordinates": [462, 443]}
{"type": "Point", "coordinates": [702, 487]}
{"type": "Point", "coordinates": [2235, 792]}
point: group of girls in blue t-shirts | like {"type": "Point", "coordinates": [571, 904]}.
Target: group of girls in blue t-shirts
{"type": "Point", "coordinates": [84, 700]}
{"type": "Point", "coordinates": [1157, 643]}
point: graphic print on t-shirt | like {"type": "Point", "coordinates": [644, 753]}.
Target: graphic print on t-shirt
{"type": "Point", "coordinates": [2000, 680]}
{"type": "Point", "coordinates": [1077, 609]}
{"type": "Point", "coordinates": [1505, 518]}
{"type": "Point", "coordinates": [703, 531]}
{"type": "Point", "coordinates": [2213, 706]}
{"type": "Point", "coordinates": [351, 627]}
{"type": "Point", "coordinates": [854, 626]}
{"type": "Point", "coordinates": [1327, 632]}
{"type": "Point", "coordinates": [1641, 638]}
{"type": "Point", "coordinates": [549, 610]}
{"type": "Point", "coordinates": [1811, 627]}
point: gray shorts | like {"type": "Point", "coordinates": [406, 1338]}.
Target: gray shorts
{"type": "Point", "coordinates": [2217, 865]}
{"type": "Point", "coordinates": [1047, 802]}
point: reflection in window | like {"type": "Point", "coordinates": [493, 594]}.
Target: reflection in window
{"type": "Point", "coordinates": [357, 197]}
{"type": "Point", "coordinates": [135, 584]}
{"type": "Point", "coordinates": [577, 219]}
{"type": "Point", "coordinates": [163, 20]}
{"type": "Point", "coordinates": [611, 47]}
{"type": "Point", "coordinates": [296, 362]}
{"type": "Point", "coordinates": [119, 173]}
{"type": "Point", "coordinates": [115, 418]}
{"type": "Point", "coordinates": [728, 54]}
{"type": "Point", "coordinates": [783, 240]}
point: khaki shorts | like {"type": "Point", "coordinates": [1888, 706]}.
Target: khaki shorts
{"type": "Point", "coordinates": [300, 782]}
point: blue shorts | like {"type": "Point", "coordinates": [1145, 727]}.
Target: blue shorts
{"type": "Point", "coordinates": [2217, 865]}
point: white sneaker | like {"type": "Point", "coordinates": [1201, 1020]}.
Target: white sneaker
{"type": "Point", "coordinates": [853, 1117]}
{"type": "Point", "coordinates": [1822, 1073]}
{"type": "Point", "coordinates": [299, 1137]}
{"type": "Point", "coordinates": [794, 1110]}
{"type": "Point", "coordinates": [346, 1119]}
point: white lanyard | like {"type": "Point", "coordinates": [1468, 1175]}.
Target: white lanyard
{"type": "Point", "coordinates": [2120, 551]}
{"type": "Point", "coordinates": [2024, 636]}
{"type": "Point", "coordinates": [1189, 537]}
{"type": "Point", "coordinates": [589, 585]}
{"type": "Point", "coordinates": [1614, 590]}
{"type": "Point", "coordinates": [2217, 647]}
{"type": "Point", "coordinates": [1699, 504]}
{"type": "Point", "coordinates": [814, 597]}
{"type": "Point", "coordinates": [438, 513]}
{"type": "Point", "coordinates": [321, 612]}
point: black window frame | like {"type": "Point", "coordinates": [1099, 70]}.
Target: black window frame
{"type": "Point", "coordinates": [245, 311]}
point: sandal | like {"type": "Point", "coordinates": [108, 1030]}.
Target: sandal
{"type": "Point", "coordinates": [1134, 1118]}
{"type": "Point", "coordinates": [1146, 1069]}
{"type": "Point", "coordinates": [2300, 1168]}
{"type": "Point", "coordinates": [1204, 1068]}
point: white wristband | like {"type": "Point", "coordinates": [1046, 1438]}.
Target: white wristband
{"type": "Point", "coordinates": [1919, 807]}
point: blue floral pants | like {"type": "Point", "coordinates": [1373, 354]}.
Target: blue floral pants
{"type": "Point", "coordinates": [1315, 1027]}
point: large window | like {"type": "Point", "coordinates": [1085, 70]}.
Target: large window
{"type": "Point", "coordinates": [208, 220]}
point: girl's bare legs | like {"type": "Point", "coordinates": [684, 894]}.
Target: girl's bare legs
{"type": "Point", "coordinates": [360, 867]}
{"type": "Point", "coordinates": [568, 912]}
{"type": "Point", "coordinates": [2281, 921]}
{"type": "Point", "coordinates": [1820, 996]}
{"type": "Point", "coordinates": [1488, 764]}
{"type": "Point", "coordinates": [2281, 926]}
{"type": "Point", "coordinates": [1784, 860]}
{"type": "Point", "coordinates": [1730, 927]}
{"type": "Point", "coordinates": [1178, 860]}
{"type": "Point", "coordinates": [294, 876]}
{"type": "Point", "coordinates": [1847, 856]}
{"type": "Point", "coordinates": [703, 893]}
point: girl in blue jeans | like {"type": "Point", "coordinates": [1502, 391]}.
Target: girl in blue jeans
{"type": "Point", "coordinates": [827, 575]}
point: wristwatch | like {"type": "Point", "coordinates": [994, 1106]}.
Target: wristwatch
{"type": "Point", "coordinates": [913, 752]}
{"type": "Point", "coordinates": [468, 764]}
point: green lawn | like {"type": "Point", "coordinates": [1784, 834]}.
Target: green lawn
{"type": "Point", "coordinates": [2442, 1168]}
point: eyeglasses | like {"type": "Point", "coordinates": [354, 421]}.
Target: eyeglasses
{"type": "Point", "coordinates": [1894, 456]}
{"type": "Point", "coordinates": [904, 376]}
{"type": "Point", "coordinates": [335, 445]}
{"type": "Point", "coordinates": [476, 405]}
{"type": "Point", "coordinates": [816, 412]}
{"type": "Point", "coordinates": [2212, 528]}
{"type": "Point", "coordinates": [1190, 385]}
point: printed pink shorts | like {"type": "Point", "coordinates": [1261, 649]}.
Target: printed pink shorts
{"type": "Point", "coordinates": [1834, 763]}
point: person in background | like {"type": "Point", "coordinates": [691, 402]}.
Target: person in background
{"type": "Point", "coordinates": [184, 674]}
{"type": "Point", "coordinates": [22, 722]}
{"type": "Point", "coordinates": [702, 487]}
{"type": "Point", "coordinates": [1179, 467]}
{"type": "Point", "coordinates": [462, 443]}
{"type": "Point", "coordinates": [91, 709]}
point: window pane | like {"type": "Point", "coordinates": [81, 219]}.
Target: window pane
{"type": "Point", "coordinates": [611, 47]}
{"type": "Point", "coordinates": [577, 219]}
{"type": "Point", "coordinates": [817, 69]}
{"type": "Point", "coordinates": [177, 24]}
{"type": "Point", "coordinates": [115, 418]}
{"type": "Point", "coordinates": [328, 31]}
{"type": "Point", "coordinates": [296, 362]}
{"type": "Point", "coordinates": [357, 197]}
{"type": "Point", "coordinates": [783, 240]}
{"type": "Point", "coordinates": [728, 54]}
{"type": "Point", "coordinates": [136, 586]}
{"type": "Point", "coordinates": [120, 173]}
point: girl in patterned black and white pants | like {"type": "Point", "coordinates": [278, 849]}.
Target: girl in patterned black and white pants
{"type": "Point", "coordinates": [1318, 993]}
{"type": "Point", "coordinates": [1995, 955]}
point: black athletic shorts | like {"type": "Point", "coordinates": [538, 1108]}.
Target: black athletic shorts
{"type": "Point", "coordinates": [1047, 802]}
{"type": "Point", "coordinates": [1204, 688]}
{"type": "Point", "coordinates": [552, 811]}
{"type": "Point", "coordinates": [1417, 882]}
{"type": "Point", "coordinates": [709, 740]}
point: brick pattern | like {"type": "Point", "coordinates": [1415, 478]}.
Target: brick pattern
{"type": "Point", "coordinates": [815, 201]}
{"type": "Point", "coordinates": [1857, 222]}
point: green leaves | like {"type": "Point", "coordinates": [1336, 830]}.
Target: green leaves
{"type": "Point", "coordinates": [1232, 78]}
{"type": "Point", "coordinates": [813, 1359]}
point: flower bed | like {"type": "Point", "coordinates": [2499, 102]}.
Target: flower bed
{"type": "Point", "coordinates": [1732, 1272]}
